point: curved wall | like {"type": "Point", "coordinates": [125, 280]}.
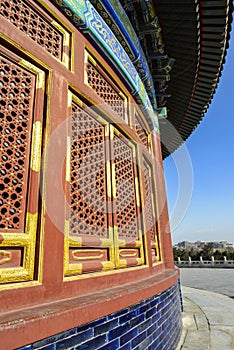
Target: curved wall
{"type": "Point", "coordinates": [84, 230]}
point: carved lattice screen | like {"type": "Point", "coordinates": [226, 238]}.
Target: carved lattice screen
{"type": "Point", "coordinates": [90, 243]}
{"type": "Point", "coordinates": [128, 238]}
{"type": "Point", "coordinates": [103, 229]}
{"type": "Point", "coordinates": [20, 142]}
{"type": "Point", "coordinates": [32, 20]}
{"type": "Point", "coordinates": [150, 210]}
{"type": "Point", "coordinates": [101, 83]}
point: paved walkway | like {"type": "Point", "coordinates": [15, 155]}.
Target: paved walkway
{"type": "Point", "coordinates": [214, 280]}
{"type": "Point", "coordinates": [208, 321]}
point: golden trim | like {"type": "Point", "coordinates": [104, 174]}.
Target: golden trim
{"type": "Point", "coordinates": [68, 160]}
{"type": "Point", "coordinates": [35, 162]}
{"type": "Point", "coordinates": [121, 263]}
{"type": "Point", "coordinates": [66, 35]}
{"type": "Point", "coordinates": [108, 179]}
{"type": "Point", "coordinates": [6, 256]}
{"type": "Point", "coordinates": [107, 265]}
{"type": "Point", "coordinates": [77, 100]}
{"type": "Point", "coordinates": [67, 228]}
{"type": "Point", "coordinates": [29, 54]}
{"type": "Point", "coordinates": [31, 223]}
{"type": "Point", "coordinates": [83, 251]}
{"type": "Point", "coordinates": [69, 99]}
{"type": "Point", "coordinates": [121, 242]}
{"type": "Point", "coordinates": [127, 253]}
{"type": "Point", "coordinates": [111, 272]}
{"type": "Point", "coordinates": [74, 269]}
{"type": "Point", "coordinates": [106, 242]}
{"type": "Point", "coordinates": [75, 242]}
{"type": "Point", "coordinates": [114, 189]}
{"type": "Point", "coordinates": [40, 75]}
{"type": "Point", "coordinates": [14, 240]}
{"type": "Point", "coordinates": [107, 128]}
{"type": "Point", "coordinates": [138, 202]}
{"type": "Point", "coordinates": [89, 58]}
{"type": "Point", "coordinates": [28, 241]}
{"type": "Point", "coordinates": [66, 246]}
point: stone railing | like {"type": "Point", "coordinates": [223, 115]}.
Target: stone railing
{"type": "Point", "coordinates": [205, 263]}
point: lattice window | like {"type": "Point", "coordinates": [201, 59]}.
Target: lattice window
{"type": "Point", "coordinates": [18, 91]}
{"type": "Point", "coordinates": [141, 130]}
{"type": "Point", "coordinates": [125, 190]}
{"type": "Point", "coordinates": [88, 177]}
{"type": "Point", "coordinates": [37, 25]}
{"type": "Point", "coordinates": [150, 210]}
{"type": "Point", "coordinates": [104, 88]}
{"type": "Point", "coordinates": [104, 228]}
{"type": "Point", "coordinates": [129, 243]}
{"type": "Point", "coordinates": [89, 242]}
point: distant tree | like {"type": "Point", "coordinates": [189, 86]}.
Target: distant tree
{"type": "Point", "coordinates": [218, 255]}
{"type": "Point", "coordinates": [207, 251]}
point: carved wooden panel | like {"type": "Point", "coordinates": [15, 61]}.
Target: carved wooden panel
{"type": "Point", "coordinates": [101, 83]}
{"type": "Point", "coordinates": [20, 152]}
{"type": "Point", "coordinates": [18, 92]}
{"type": "Point", "coordinates": [150, 209]}
{"type": "Point", "coordinates": [88, 220]}
{"type": "Point", "coordinates": [38, 25]}
{"type": "Point", "coordinates": [88, 175]}
{"type": "Point", "coordinates": [141, 130]}
{"type": "Point", "coordinates": [127, 205]}
{"type": "Point", "coordinates": [125, 189]}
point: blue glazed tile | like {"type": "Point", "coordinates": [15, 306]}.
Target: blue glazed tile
{"type": "Point", "coordinates": [138, 339]}
{"type": "Point", "coordinates": [125, 318]}
{"type": "Point", "coordinates": [153, 302]}
{"type": "Point", "coordinates": [119, 331]}
{"type": "Point", "coordinates": [144, 308]}
{"type": "Point", "coordinates": [126, 347]}
{"type": "Point", "coordinates": [103, 328]}
{"type": "Point", "coordinates": [83, 327]}
{"type": "Point", "coordinates": [144, 325]}
{"type": "Point", "coordinates": [53, 338]}
{"type": "Point", "coordinates": [144, 345]}
{"type": "Point", "coordinates": [114, 345]}
{"type": "Point", "coordinates": [85, 335]}
{"type": "Point", "coordinates": [154, 324]}
{"type": "Point", "coordinates": [128, 336]}
{"type": "Point", "coordinates": [151, 329]}
{"type": "Point", "coordinates": [48, 347]}
{"type": "Point", "coordinates": [150, 312]}
{"type": "Point", "coordinates": [118, 314]}
{"type": "Point", "coordinates": [93, 344]}
{"type": "Point", "coordinates": [67, 343]}
{"type": "Point", "coordinates": [97, 322]}
{"type": "Point", "coordinates": [137, 320]}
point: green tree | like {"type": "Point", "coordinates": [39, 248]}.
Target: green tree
{"type": "Point", "coordinates": [207, 251]}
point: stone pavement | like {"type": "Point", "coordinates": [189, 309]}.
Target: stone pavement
{"type": "Point", "coordinates": [208, 321]}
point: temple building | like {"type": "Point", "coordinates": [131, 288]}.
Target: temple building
{"type": "Point", "coordinates": [94, 95]}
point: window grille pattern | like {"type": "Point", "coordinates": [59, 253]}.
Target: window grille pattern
{"type": "Point", "coordinates": [88, 177]}
{"type": "Point", "coordinates": [17, 93]}
{"type": "Point", "coordinates": [149, 211]}
{"type": "Point", "coordinates": [125, 190]}
{"type": "Point", "coordinates": [150, 218]}
{"type": "Point", "coordinates": [105, 90]}
{"type": "Point", "coordinates": [141, 131]}
{"type": "Point", "coordinates": [32, 23]}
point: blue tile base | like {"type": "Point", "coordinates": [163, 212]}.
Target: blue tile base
{"type": "Point", "coordinates": [154, 324]}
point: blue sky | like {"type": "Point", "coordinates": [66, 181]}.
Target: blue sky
{"type": "Point", "coordinates": [210, 213]}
